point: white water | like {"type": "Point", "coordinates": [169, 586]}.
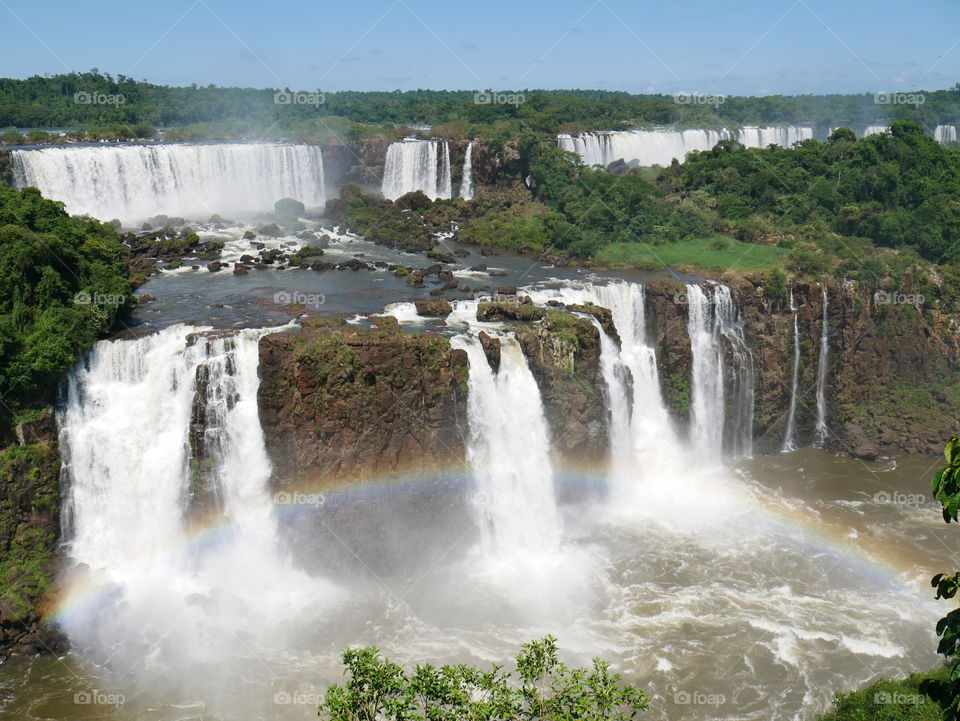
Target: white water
{"type": "Point", "coordinates": [875, 130]}
{"type": "Point", "coordinates": [716, 333]}
{"type": "Point", "coordinates": [135, 182]}
{"type": "Point", "coordinates": [790, 437]}
{"type": "Point", "coordinates": [820, 430]}
{"type": "Point", "coordinates": [414, 164]}
{"type": "Point", "coordinates": [945, 134]}
{"type": "Point", "coordinates": [509, 452]}
{"type": "Point", "coordinates": [652, 437]}
{"type": "Point", "coordinates": [466, 184]}
{"type": "Point", "coordinates": [660, 147]}
{"type": "Point", "coordinates": [127, 474]}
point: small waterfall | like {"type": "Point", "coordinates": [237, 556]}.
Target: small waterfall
{"type": "Point", "coordinates": [945, 134]}
{"type": "Point", "coordinates": [874, 130]}
{"type": "Point", "coordinates": [136, 182]}
{"type": "Point", "coordinates": [509, 452]}
{"type": "Point", "coordinates": [722, 392]}
{"type": "Point", "coordinates": [414, 164]}
{"type": "Point", "coordinates": [130, 480]}
{"type": "Point", "coordinates": [790, 438]}
{"type": "Point", "coordinates": [617, 394]}
{"type": "Point", "coordinates": [466, 185]}
{"type": "Point", "coordinates": [821, 431]}
{"type": "Point", "coordinates": [661, 146]}
{"type": "Point", "coordinates": [652, 437]}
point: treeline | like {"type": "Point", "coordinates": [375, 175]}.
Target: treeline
{"type": "Point", "coordinates": [98, 99]}
{"type": "Point", "coordinates": [63, 284]}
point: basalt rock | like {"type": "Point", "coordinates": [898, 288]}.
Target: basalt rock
{"type": "Point", "coordinates": [507, 310]}
{"type": "Point", "coordinates": [433, 307]}
{"type": "Point", "coordinates": [491, 349]}
{"type": "Point", "coordinates": [337, 401]}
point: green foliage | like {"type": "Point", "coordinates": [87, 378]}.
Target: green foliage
{"type": "Point", "coordinates": [62, 286]}
{"type": "Point", "coordinates": [775, 287]}
{"type": "Point", "coordinates": [542, 688]}
{"type": "Point", "coordinates": [898, 189]}
{"type": "Point", "coordinates": [889, 701]}
{"type": "Point", "coordinates": [945, 486]}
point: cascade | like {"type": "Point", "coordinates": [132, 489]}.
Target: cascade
{"type": "Point", "coordinates": [945, 134]}
{"type": "Point", "coordinates": [661, 146]}
{"type": "Point", "coordinates": [416, 164]}
{"type": "Point", "coordinates": [135, 182]}
{"type": "Point", "coordinates": [722, 374]}
{"type": "Point", "coordinates": [821, 431]}
{"type": "Point", "coordinates": [128, 475]}
{"type": "Point", "coordinates": [874, 130]}
{"type": "Point", "coordinates": [466, 184]}
{"type": "Point", "coordinates": [790, 439]}
{"type": "Point", "coordinates": [509, 452]}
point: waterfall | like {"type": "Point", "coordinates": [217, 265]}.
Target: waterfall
{"type": "Point", "coordinates": [135, 182]}
{"type": "Point", "coordinates": [466, 184]}
{"type": "Point", "coordinates": [790, 440]}
{"type": "Point", "coordinates": [661, 146]}
{"type": "Point", "coordinates": [509, 452]}
{"type": "Point", "coordinates": [722, 374]}
{"type": "Point", "coordinates": [651, 438]}
{"type": "Point", "coordinates": [874, 130]}
{"type": "Point", "coordinates": [945, 134]}
{"type": "Point", "coordinates": [821, 431]}
{"type": "Point", "coordinates": [414, 164]}
{"type": "Point", "coordinates": [130, 480]}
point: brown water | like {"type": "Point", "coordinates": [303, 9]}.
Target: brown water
{"type": "Point", "coordinates": [752, 593]}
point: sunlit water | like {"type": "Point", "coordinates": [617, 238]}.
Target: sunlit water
{"type": "Point", "coordinates": [749, 593]}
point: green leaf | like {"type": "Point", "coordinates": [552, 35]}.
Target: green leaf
{"type": "Point", "coordinates": [952, 451]}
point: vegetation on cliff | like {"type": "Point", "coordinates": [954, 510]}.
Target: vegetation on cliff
{"type": "Point", "coordinates": [63, 284]}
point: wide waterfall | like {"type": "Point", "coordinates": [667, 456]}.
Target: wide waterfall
{"type": "Point", "coordinates": [790, 436]}
{"type": "Point", "coordinates": [135, 182]}
{"type": "Point", "coordinates": [134, 467]}
{"type": "Point", "coordinates": [415, 164]}
{"type": "Point", "coordinates": [509, 452]}
{"type": "Point", "coordinates": [820, 430]}
{"type": "Point", "coordinates": [661, 146]}
{"type": "Point", "coordinates": [466, 184]}
{"type": "Point", "coordinates": [945, 134]}
{"type": "Point", "coordinates": [721, 376]}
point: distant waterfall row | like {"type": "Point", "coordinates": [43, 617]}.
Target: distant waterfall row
{"type": "Point", "coordinates": [135, 182]}
{"type": "Point", "coordinates": [661, 146]}
{"type": "Point", "coordinates": [416, 164]}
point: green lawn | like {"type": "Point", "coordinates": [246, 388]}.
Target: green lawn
{"type": "Point", "coordinates": [698, 253]}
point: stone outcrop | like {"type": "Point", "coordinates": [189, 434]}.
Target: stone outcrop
{"type": "Point", "coordinates": [337, 401]}
{"type": "Point", "coordinates": [564, 355]}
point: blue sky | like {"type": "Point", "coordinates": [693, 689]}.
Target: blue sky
{"type": "Point", "coordinates": [727, 47]}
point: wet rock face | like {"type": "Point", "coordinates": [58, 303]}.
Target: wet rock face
{"type": "Point", "coordinates": [338, 401]}
{"type": "Point", "coordinates": [564, 356]}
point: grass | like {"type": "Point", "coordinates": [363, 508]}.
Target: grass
{"type": "Point", "coordinates": [717, 253]}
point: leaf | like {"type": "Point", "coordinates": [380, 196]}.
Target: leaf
{"type": "Point", "coordinates": [952, 451]}
{"type": "Point", "coordinates": [935, 483]}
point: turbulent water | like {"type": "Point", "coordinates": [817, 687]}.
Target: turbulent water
{"type": "Point", "coordinates": [135, 182]}
{"type": "Point", "coordinates": [660, 147]}
{"type": "Point", "coordinates": [414, 164]}
{"type": "Point", "coordinates": [728, 588]}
